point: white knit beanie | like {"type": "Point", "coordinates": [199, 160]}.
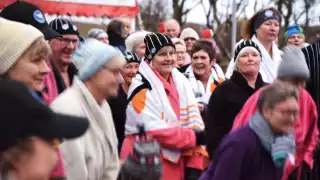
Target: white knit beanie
{"type": "Point", "coordinates": [189, 33]}
{"type": "Point", "coordinates": [15, 39]}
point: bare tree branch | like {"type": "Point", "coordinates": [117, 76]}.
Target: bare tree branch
{"type": "Point", "coordinates": [213, 4]}
{"type": "Point", "coordinates": [207, 13]}
{"type": "Point", "coordinates": [178, 9]}
{"type": "Point", "coordinates": [152, 12]}
{"type": "Point", "coordinates": [297, 17]}
{"type": "Point", "coordinates": [240, 10]}
{"type": "Point", "coordinates": [189, 9]}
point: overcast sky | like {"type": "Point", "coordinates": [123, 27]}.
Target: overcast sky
{"type": "Point", "coordinates": [197, 15]}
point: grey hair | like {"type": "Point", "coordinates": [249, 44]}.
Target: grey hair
{"type": "Point", "coordinates": [94, 33]}
{"type": "Point", "coordinates": [276, 93]}
{"type": "Point", "coordinates": [177, 41]}
{"type": "Point", "coordinates": [172, 20]}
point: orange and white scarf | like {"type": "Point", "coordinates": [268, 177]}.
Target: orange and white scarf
{"type": "Point", "coordinates": [202, 93]}
{"type": "Point", "coordinates": [151, 107]}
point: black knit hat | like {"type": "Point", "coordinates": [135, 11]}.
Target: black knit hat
{"type": "Point", "coordinates": [63, 26]}
{"type": "Point", "coordinates": [27, 13]}
{"type": "Point", "coordinates": [243, 44]}
{"type": "Point", "coordinates": [131, 57]}
{"type": "Point", "coordinates": [154, 42]}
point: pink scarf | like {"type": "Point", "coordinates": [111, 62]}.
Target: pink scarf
{"type": "Point", "coordinates": [49, 94]}
{"type": "Point", "coordinates": [195, 160]}
{"type": "Point", "coordinates": [171, 92]}
{"type": "Point", "coordinates": [305, 130]}
{"type": "Point", "coordinates": [51, 90]}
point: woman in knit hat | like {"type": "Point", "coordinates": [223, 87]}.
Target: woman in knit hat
{"type": "Point", "coordinates": [23, 54]}
{"type": "Point", "coordinates": [263, 29]}
{"type": "Point", "coordinates": [160, 99]}
{"type": "Point", "coordinates": [260, 149]}
{"type": "Point", "coordinates": [229, 97]}
{"type": "Point", "coordinates": [190, 36]}
{"type": "Point", "coordinates": [24, 58]}
{"type": "Point", "coordinates": [95, 154]}
{"type": "Point", "coordinates": [134, 43]}
{"type": "Point", "coordinates": [98, 34]}
{"type": "Point", "coordinates": [293, 70]}
{"type": "Point", "coordinates": [119, 104]}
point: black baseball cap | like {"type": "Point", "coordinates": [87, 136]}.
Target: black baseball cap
{"type": "Point", "coordinates": [23, 116]}
{"type": "Point", "coordinates": [28, 13]}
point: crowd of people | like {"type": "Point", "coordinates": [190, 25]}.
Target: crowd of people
{"type": "Point", "coordinates": [123, 105]}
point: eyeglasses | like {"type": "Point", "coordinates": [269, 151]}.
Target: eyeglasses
{"type": "Point", "coordinates": [66, 41]}
{"type": "Point", "coordinates": [288, 112]}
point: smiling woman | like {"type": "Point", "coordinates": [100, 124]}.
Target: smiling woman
{"type": "Point", "coordinates": [228, 98]}
{"type": "Point", "coordinates": [160, 98]}
{"type": "Point", "coordinates": [25, 59]}
{"type": "Point", "coordinates": [163, 61]}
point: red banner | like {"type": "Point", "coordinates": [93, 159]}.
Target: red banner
{"type": "Point", "coordinates": [81, 9]}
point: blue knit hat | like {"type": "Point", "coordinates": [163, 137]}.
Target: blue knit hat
{"type": "Point", "coordinates": [294, 29]}
{"type": "Point", "coordinates": [92, 55]}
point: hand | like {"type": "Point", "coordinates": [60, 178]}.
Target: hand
{"type": "Point", "coordinates": [201, 107]}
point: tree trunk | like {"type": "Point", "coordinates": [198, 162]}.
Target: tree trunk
{"type": "Point", "coordinates": [177, 10]}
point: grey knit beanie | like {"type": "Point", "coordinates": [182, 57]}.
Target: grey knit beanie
{"type": "Point", "coordinates": [293, 64]}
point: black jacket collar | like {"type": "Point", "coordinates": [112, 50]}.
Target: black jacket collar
{"type": "Point", "coordinates": [242, 82]}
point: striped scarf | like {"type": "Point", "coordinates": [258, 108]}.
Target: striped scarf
{"type": "Point", "coordinates": [281, 146]}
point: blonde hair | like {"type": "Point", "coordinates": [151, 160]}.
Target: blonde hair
{"type": "Point", "coordinates": [39, 48]}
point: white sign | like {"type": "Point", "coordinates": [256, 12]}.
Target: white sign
{"type": "Point", "coordinates": [101, 2]}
